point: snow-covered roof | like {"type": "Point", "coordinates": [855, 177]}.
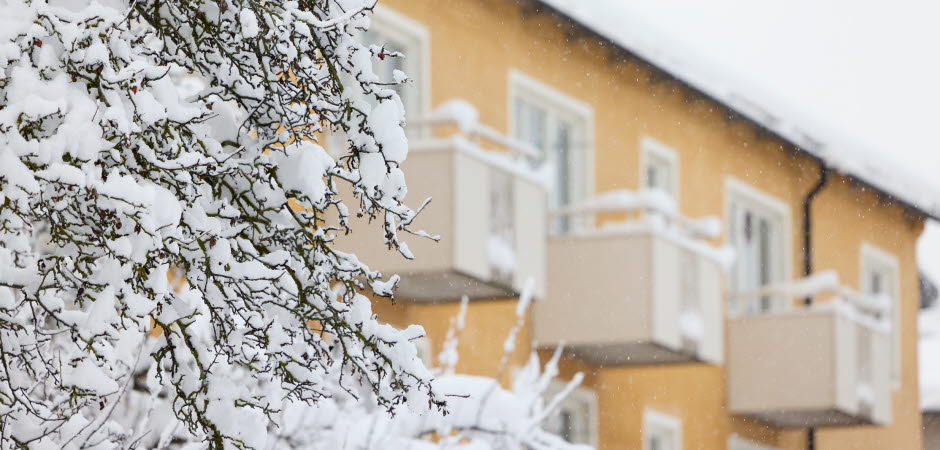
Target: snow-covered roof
{"type": "Point", "coordinates": [839, 150]}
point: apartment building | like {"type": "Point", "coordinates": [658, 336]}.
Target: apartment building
{"type": "Point", "coordinates": [665, 228]}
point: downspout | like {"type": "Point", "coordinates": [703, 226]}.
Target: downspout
{"type": "Point", "coordinates": [808, 257]}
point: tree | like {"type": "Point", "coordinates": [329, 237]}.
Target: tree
{"type": "Point", "coordinates": [126, 208]}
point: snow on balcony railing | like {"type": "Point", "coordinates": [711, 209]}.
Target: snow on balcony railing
{"type": "Point", "coordinates": [872, 312]}
{"type": "Point", "coordinates": [652, 211]}
{"type": "Point", "coordinates": [475, 138]}
{"type": "Point", "coordinates": [466, 118]}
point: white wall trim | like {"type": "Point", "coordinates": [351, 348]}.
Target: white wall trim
{"type": "Point", "coordinates": [520, 82]}
{"type": "Point", "coordinates": [653, 418]}
{"type": "Point", "coordinates": [882, 256]}
{"type": "Point", "coordinates": [738, 187]}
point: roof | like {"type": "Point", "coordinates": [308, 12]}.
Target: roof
{"type": "Point", "coordinates": [839, 151]}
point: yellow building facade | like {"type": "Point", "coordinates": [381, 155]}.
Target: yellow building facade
{"type": "Point", "coordinates": [626, 125]}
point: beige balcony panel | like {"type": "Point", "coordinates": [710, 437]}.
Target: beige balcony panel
{"type": "Point", "coordinates": [808, 368]}
{"type": "Point", "coordinates": [476, 199]}
{"type": "Point", "coordinates": [620, 298]}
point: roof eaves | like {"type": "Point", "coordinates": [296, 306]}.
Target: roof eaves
{"type": "Point", "coordinates": [541, 7]}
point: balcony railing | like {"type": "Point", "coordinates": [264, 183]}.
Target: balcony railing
{"type": "Point", "coordinates": [821, 365]}
{"type": "Point", "coordinates": [643, 290]}
{"type": "Point", "coordinates": [488, 207]}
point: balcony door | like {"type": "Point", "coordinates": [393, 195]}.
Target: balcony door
{"type": "Point", "coordinates": [559, 127]}
{"type": "Point", "coordinates": [757, 232]}
{"type": "Point", "coordinates": [552, 134]}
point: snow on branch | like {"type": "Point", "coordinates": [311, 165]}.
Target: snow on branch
{"type": "Point", "coordinates": [481, 413]}
{"type": "Point", "coordinates": [169, 273]}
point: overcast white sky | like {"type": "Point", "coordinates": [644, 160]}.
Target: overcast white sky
{"type": "Point", "coordinates": [870, 68]}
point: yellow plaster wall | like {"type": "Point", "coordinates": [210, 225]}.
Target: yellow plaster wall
{"type": "Point", "coordinates": [480, 348]}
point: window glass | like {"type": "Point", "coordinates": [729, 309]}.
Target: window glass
{"type": "Point", "coordinates": [530, 123]}
{"type": "Point", "coordinates": [653, 177]}
{"type": "Point", "coordinates": [659, 174]}
{"type": "Point", "coordinates": [566, 425]}
{"type": "Point", "coordinates": [564, 163]}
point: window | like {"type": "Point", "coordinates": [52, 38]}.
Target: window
{"type": "Point", "coordinates": [661, 431]}
{"type": "Point", "coordinates": [575, 419]}
{"type": "Point", "coordinates": [758, 229]}
{"type": "Point", "coordinates": [879, 274]}
{"type": "Point", "coordinates": [659, 167]}
{"type": "Point", "coordinates": [559, 126]}
{"type": "Point", "coordinates": [739, 443]}
{"type": "Point", "coordinates": [397, 33]}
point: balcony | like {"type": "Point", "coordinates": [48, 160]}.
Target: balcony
{"type": "Point", "coordinates": [644, 290]}
{"type": "Point", "coordinates": [488, 208]}
{"type": "Point", "coordinates": [824, 365]}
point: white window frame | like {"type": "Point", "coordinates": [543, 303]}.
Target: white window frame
{"type": "Point", "coordinates": [417, 59]}
{"type": "Point", "coordinates": [873, 257]}
{"type": "Point", "coordinates": [651, 149]}
{"type": "Point", "coordinates": [655, 420]}
{"type": "Point", "coordinates": [579, 395]}
{"type": "Point", "coordinates": [737, 189]}
{"type": "Point", "coordinates": [559, 104]}
{"type": "Point", "coordinates": [736, 442]}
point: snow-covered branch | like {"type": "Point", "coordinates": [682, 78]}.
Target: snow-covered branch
{"type": "Point", "coordinates": [481, 414]}
{"type": "Point", "coordinates": [176, 251]}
